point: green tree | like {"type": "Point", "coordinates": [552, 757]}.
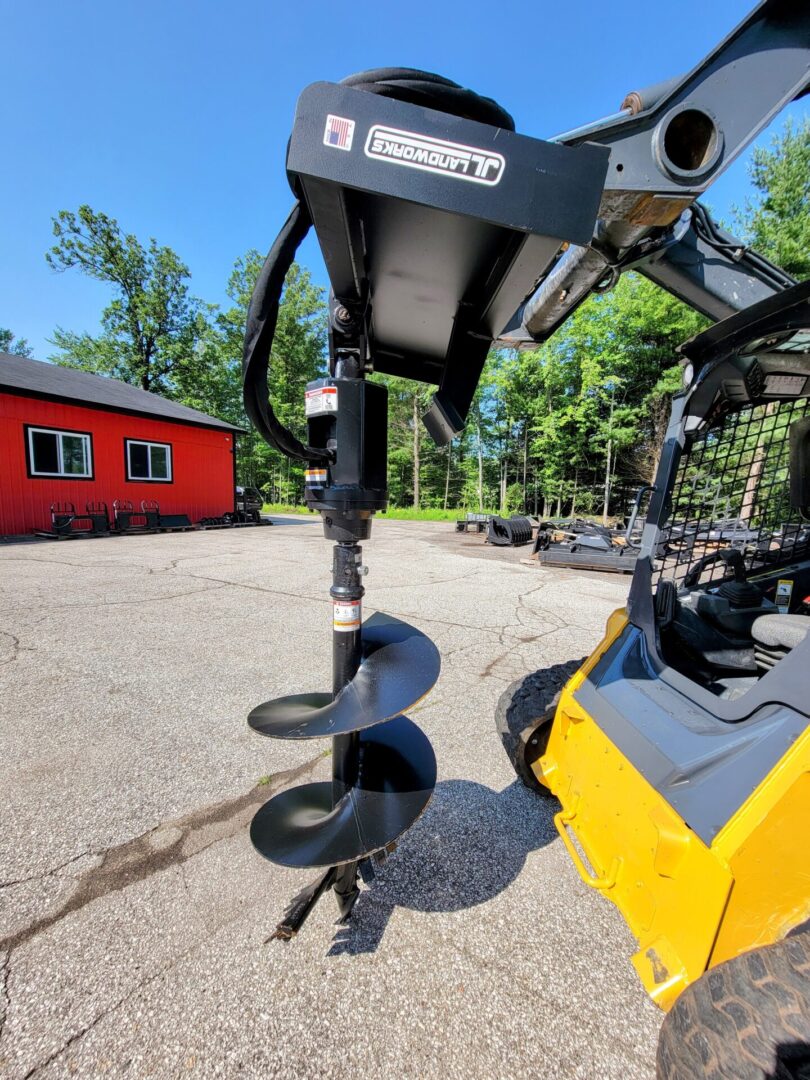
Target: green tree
{"type": "Point", "coordinates": [151, 327]}
{"type": "Point", "coordinates": [572, 426]}
{"type": "Point", "coordinates": [776, 221]}
{"type": "Point", "coordinates": [479, 427]}
{"type": "Point", "coordinates": [407, 402]}
{"type": "Point", "coordinates": [515, 498]}
{"type": "Point", "coordinates": [14, 345]}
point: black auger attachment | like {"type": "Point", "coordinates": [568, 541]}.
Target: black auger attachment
{"type": "Point", "coordinates": [435, 220]}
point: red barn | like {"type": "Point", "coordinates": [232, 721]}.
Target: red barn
{"type": "Point", "coordinates": [69, 436]}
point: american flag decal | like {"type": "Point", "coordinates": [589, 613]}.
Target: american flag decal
{"type": "Point", "coordinates": [339, 132]}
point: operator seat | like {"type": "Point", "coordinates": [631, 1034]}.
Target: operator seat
{"type": "Point", "coordinates": [775, 635]}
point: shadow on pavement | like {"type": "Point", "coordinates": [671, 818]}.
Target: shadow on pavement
{"type": "Point", "coordinates": [471, 843]}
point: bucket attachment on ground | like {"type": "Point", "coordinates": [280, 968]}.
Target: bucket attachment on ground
{"type": "Point", "coordinates": [477, 522]}
{"type": "Point", "coordinates": [509, 532]}
{"type": "Point", "coordinates": [585, 545]}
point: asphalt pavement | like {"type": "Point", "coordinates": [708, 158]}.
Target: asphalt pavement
{"type": "Point", "coordinates": [134, 912]}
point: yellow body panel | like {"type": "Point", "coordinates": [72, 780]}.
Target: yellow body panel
{"type": "Point", "coordinates": [689, 905]}
{"type": "Point", "coordinates": [765, 844]}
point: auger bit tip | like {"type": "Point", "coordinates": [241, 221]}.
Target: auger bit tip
{"type": "Point", "coordinates": [281, 933]}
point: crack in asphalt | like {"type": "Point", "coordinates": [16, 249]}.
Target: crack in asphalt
{"type": "Point", "coordinates": [99, 603]}
{"type": "Point", "coordinates": [140, 858]}
{"type": "Point", "coordinates": [15, 647]}
{"type": "Point", "coordinates": [133, 861]}
{"type": "Point", "coordinates": [548, 993]}
{"type": "Point", "coordinates": [4, 998]}
{"type": "Point", "coordinates": [429, 583]}
{"type": "Point", "coordinates": [156, 599]}
{"type": "Point", "coordinates": [507, 638]}
{"type": "Point", "coordinates": [46, 873]}
{"type": "Point", "coordinates": [171, 566]}
{"type": "Point", "coordinates": [259, 588]}
{"type": "Point", "coordinates": [142, 985]}
{"type": "Point", "coordinates": [48, 562]}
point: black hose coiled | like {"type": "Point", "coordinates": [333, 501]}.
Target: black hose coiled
{"type": "Point", "coordinates": [432, 92]}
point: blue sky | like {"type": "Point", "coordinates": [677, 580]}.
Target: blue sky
{"type": "Point", "coordinates": [173, 115]}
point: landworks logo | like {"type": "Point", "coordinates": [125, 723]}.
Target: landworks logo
{"type": "Point", "coordinates": [434, 155]}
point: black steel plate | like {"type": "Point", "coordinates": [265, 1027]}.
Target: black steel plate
{"type": "Point", "coordinates": [400, 666]}
{"type": "Point", "coordinates": [300, 827]}
{"type": "Point", "coordinates": [446, 258]}
{"type": "Point", "coordinates": [590, 560]}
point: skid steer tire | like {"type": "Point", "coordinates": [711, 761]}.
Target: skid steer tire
{"type": "Point", "coordinates": [746, 1019]}
{"type": "Point", "coordinates": [524, 714]}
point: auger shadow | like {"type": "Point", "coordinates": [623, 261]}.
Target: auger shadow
{"type": "Point", "coordinates": [470, 844]}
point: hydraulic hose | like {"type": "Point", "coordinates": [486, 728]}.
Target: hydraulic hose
{"type": "Point", "coordinates": [405, 84]}
{"type": "Point", "coordinates": [720, 240]}
{"type": "Point", "coordinates": [259, 331]}
{"type": "Point", "coordinates": [432, 92]}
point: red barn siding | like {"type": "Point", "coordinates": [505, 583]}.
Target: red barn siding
{"type": "Point", "coordinates": [202, 464]}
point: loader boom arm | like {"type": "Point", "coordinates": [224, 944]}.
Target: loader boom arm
{"type": "Point", "coordinates": [668, 145]}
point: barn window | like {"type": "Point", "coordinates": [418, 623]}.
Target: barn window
{"type": "Point", "coordinates": [59, 453]}
{"type": "Point", "coordinates": [149, 461]}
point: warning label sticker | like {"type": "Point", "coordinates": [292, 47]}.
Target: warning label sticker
{"type": "Point", "coordinates": [320, 401]}
{"type": "Point", "coordinates": [315, 477]}
{"type": "Point", "coordinates": [791, 385]}
{"type": "Point", "coordinates": [784, 591]}
{"type": "Point", "coordinates": [346, 614]}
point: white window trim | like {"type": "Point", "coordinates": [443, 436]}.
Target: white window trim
{"type": "Point", "coordinates": [88, 453]}
{"type": "Point", "coordinates": [150, 479]}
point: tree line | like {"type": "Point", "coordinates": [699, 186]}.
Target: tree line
{"type": "Point", "coordinates": [572, 427]}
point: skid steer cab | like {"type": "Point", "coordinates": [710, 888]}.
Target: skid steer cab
{"type": "Point", "coordinates": [680, 750]}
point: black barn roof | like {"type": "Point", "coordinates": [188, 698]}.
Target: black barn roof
{"type": "Point", "coordinates": [36, 378]}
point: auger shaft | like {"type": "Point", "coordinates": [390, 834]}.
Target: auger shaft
{"type": "Point", "coordinates": [347, 653]}
{"type": "Point", "coordinates": [347, 594]}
